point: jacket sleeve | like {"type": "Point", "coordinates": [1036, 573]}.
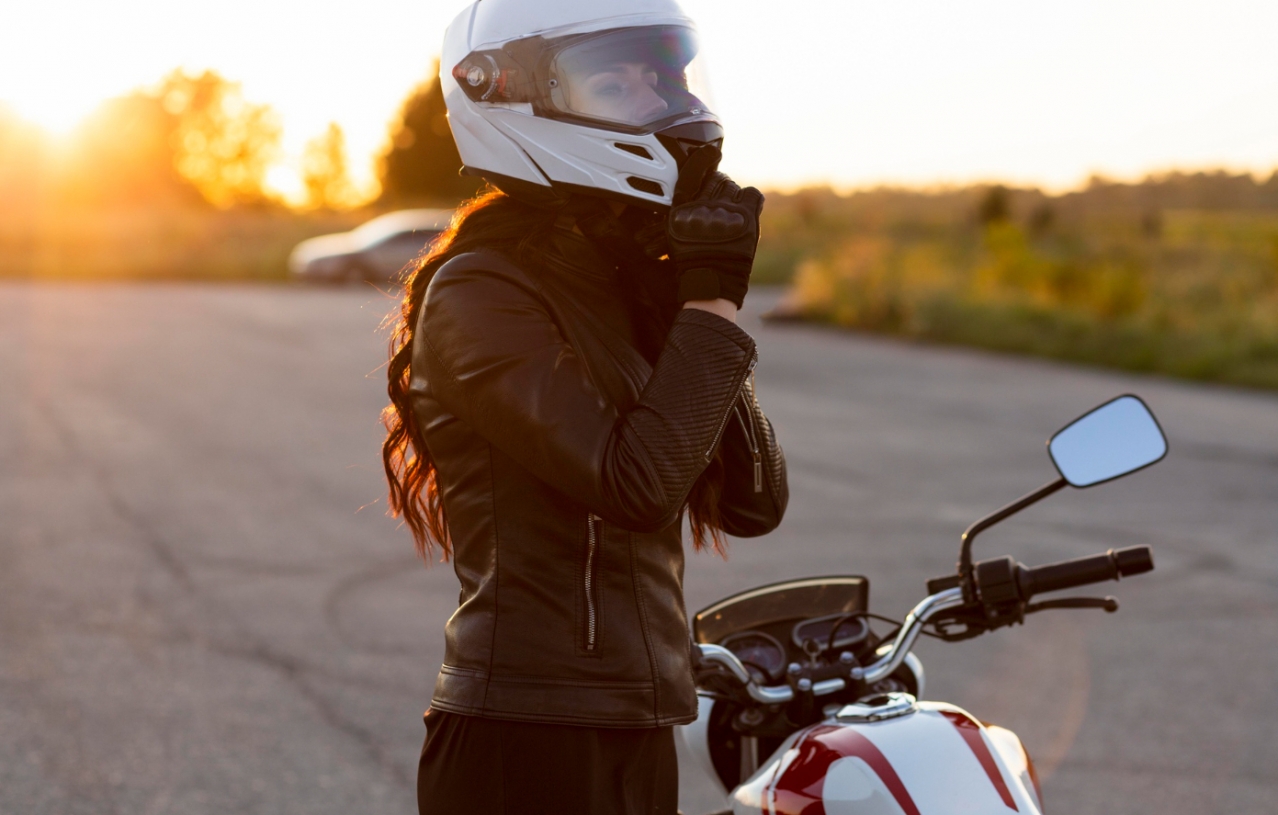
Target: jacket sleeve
{"type": "Point", "coordinates": [755, 489]}
{"type": "Point", "coordinates": [490, 353]}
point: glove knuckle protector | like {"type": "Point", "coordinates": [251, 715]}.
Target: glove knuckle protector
{"type": "Point", "coordinates": [706, 224]}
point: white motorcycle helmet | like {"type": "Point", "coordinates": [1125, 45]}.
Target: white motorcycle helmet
{"type": "Point", "coordinates": [547, 98]}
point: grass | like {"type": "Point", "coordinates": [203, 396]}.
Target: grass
{"type": "Point", "coordinates": [1193, 295]}
{"type": "Point", "coordinates": [150, 243]}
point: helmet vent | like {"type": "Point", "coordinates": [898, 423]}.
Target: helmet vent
{"type": "Point", "coordinates": [634, 150]}
{"type": "Point", "coordinates": [644, 185]}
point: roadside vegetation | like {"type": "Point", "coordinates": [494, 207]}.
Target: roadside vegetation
{"type": "Point", "coordinates": [1177, 274]}
{"type": "Point", "coordinates": [155, 243]}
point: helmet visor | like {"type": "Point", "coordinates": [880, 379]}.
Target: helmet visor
{"type": "Point", "coordinates": [632, 77]}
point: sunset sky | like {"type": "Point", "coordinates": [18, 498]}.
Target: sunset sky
{"type": "Point", "coordinates": [845, 92]}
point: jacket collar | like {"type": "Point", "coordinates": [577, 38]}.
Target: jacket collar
{"type": "Point", "coordinates": [572, 252]}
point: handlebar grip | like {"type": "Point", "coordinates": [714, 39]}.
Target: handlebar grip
{"type": "Point", "coordinates": [1134, 560]}
{"type": "Point", "coordinates": [1093, 569]}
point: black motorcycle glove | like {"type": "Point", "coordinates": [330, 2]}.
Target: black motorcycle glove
{"type": "Point", "coordinates": [712, 234]}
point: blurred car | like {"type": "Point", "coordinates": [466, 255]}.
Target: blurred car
{"type": "Point", "coordinates": [377, 250]}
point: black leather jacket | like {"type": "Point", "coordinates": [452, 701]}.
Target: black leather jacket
{"type": "Point", "coordinates": [565, 461]}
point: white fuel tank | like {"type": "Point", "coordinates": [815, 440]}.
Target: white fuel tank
{"type": "Point", "coordinates": [897, 757]}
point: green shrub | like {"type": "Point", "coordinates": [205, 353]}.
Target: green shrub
{"type": "Point", "coordinates": [1200, 301]}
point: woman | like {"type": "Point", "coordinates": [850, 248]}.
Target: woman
{"type": "Point", "coordinates": [566, 380]}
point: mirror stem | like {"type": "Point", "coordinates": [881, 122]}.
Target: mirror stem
{"type": "Point", "coordinates": [965, 553]}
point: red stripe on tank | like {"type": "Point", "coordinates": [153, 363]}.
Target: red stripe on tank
{"type": "Point", "coordinates": [799, 790]}
{"type": "Point", "coordinates": [971, 733]}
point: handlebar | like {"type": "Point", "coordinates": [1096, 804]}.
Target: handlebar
{"type": "Point", "coordinates": [1003, 580]}
{"type": "Point", "coordinates": [884, 666]}
{"type": "Point", "coordinates": [1094, 569]}
{"type": "Point", "coordinates": [778, 695]}
{"type": "Point", "coordinates": [999, 580]}
{"type": "Point", "coordinates": [911, 627]}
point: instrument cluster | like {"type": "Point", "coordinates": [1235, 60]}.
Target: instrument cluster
{"type": "Point", "coordinates": [765, 657]}
{"type": "Point", "coordinates": [761, 654]}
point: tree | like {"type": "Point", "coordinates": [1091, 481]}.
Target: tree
{"type": "Point", "coordinates": [222, 144]}
{"type": "Point", "coordinates": [995, 206]}
{"type": "Point", "coordinates": [190, 138]}
{"type": "Point", "coordinates": [123, 154]}
{"type": "Point", "coordinates": [325, 173]}
{"type": "Point", "coordinates": [1042, 219]}
{"type": "Point", "coordinates": [421, 161]}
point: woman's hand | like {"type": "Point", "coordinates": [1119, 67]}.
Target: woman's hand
{"type": "Point", "coordinates": [712, 231]}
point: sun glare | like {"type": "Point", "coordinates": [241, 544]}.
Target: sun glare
{"type": "Point", "coordinates": [56, 114]}
{"type": "Point", "coordinates": [285, 182]}
{"type": "Point", "coordinates": [927, 92]}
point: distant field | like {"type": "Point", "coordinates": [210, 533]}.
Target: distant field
{"type": "Point", "coordinates": [1177, 276]}
{"type": "Point", "coordinates": [1182, 291]}
{"type": "Point", "coordinates": [159, 244]}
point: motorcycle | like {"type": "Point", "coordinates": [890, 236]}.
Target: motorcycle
{"type": "Point", "coordinates": [793, 671]}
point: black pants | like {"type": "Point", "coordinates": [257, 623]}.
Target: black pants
{"type": "Point", "coordinates": [494, 767]}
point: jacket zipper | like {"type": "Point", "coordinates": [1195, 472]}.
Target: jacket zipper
{"type": "Point", "coordinates": [747, 425]}
{"type": "Point", "coordinates": [592, 612]}
{"type": "Point", "coordinates": [754, 360]}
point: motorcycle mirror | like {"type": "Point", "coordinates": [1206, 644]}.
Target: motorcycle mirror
{"type": "Point", "coordinates": [1116, 439]}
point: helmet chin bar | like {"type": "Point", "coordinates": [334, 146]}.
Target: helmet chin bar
{"type": "Point", "coordinates": [679, 140]}
{"type": "Point", "coordinates": [559, 193]}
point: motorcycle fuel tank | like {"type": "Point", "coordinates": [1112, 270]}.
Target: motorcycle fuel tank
{"type": "Point", "coordinates": [934, 759]}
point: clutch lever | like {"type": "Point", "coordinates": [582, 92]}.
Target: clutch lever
{"type": "Point", "coordinates": [1110, 604]}
{"type": "Point", "coordinates": [975, 623]}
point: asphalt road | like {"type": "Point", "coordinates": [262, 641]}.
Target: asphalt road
{"type": "Point", "coordinates": [204, 610]}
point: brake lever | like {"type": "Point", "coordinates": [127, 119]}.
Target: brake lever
{"type": "Point", "coordinates": [1110, 604]}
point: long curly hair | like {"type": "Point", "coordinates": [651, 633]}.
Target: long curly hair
{"type": "Point", "coordinates": [496, 221]}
